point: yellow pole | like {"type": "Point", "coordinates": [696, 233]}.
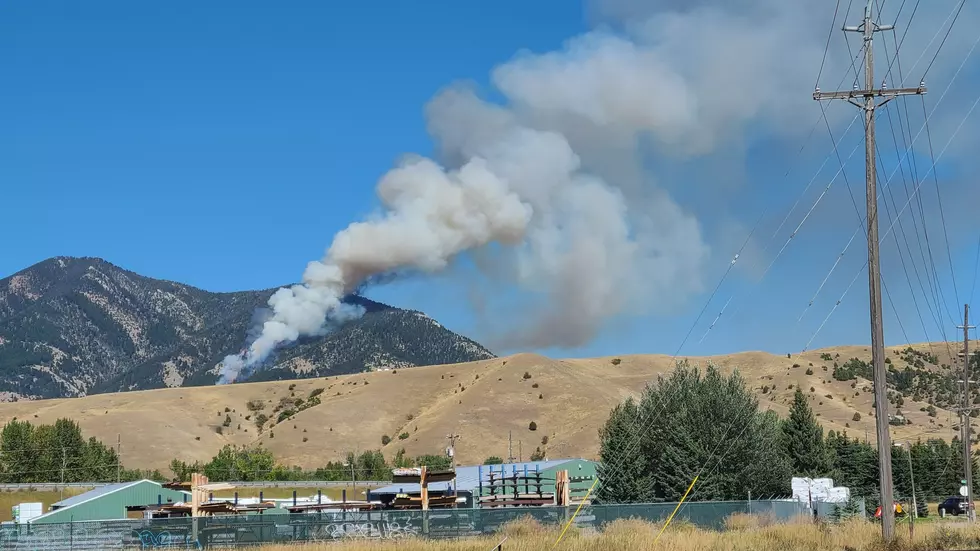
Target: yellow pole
{"type": "Point", "coordinates": [671, 517]}
{"type": "Point", "coordinates": [577, 509]}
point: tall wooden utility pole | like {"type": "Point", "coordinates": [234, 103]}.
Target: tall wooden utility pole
{"type": "Point", "coordinates": [869, 94]}
{"type": "Point", "coordinates": [965, 416]}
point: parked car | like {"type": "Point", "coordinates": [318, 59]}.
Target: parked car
{"type": "Point", "coordinates": [954, 505]}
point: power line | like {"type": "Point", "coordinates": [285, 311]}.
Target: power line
{"type": "Point", "coordinates": [915, 191]}
{"type": "Point", "coordinates": [890, 227]}
{"type": "Point", "coordinates": [826, 48]}
{"type": "Point", "coordinates": [939, 198]}
{"type": "Point", "coordinates": [943, 43]}
{"type": "Point", "coordinates": [934, 37]}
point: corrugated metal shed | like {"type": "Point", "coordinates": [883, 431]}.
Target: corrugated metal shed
{"type": "Point", "coordinates": [468, 478]}
{"type": "Point", "coordinates": [108, 502]}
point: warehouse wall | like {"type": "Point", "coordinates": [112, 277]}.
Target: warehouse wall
{"type": "Point", "coordinates": [112, 506]}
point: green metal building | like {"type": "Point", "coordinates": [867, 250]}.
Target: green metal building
{"type": "Point", "coordinates": [109, 502]}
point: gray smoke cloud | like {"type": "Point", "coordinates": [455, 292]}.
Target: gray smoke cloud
{"type": "Point", "coordinates": [554, 184]}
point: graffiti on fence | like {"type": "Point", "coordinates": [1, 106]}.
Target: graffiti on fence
{"type": "Point", "coordinates": [361, 530]}
{"type": "Point", "coordinates": [152, 539]}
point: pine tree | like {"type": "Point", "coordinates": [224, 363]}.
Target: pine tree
{"type": "Point", "coordinates": [622, 472]}
{"type": "Point", "coordinates": [708, 425]}
{"type": "Point", "coordinates": [804, 441]}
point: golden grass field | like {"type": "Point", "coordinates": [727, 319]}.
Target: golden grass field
{"type": "Point", "coordinates": [482, 401]}
{"type": "Point", "coordinates": [744, 533]}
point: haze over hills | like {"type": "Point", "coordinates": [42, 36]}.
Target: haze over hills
{"type": "Point", "coordinates": [77, 326]}
{"type": "Point", "coordinates": [486, 401]}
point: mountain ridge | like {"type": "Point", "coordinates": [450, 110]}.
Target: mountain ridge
{"type": "Point", "coordinates": [71, 326]}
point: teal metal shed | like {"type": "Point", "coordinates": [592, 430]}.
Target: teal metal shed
{"type": "Point", "coordinates": [109, 502]}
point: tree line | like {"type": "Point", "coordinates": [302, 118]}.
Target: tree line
{"type": "Point", "coordinates": [255, 463]}
{"type": "Point", "coordinates": [60, 453]}
{"type": "Point", "coordinates": [690, 423]}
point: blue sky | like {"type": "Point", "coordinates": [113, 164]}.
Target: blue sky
{"type": "Point", "coordinates": [222, 144]}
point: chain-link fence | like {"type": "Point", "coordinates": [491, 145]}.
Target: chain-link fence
{"type": "Point", "coordinates": [243, 531]}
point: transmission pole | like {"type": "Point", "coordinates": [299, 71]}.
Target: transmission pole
{"type": "Point", "coordinates": [965, 415]}
{"type": "Point", "coordinates": [510, 446]}
{"type": "Point", "coordinates": [869, 94]}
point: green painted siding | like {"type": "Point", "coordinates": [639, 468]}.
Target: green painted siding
{"type": "Point", "coordinates": [112, 505]}
{"type": "Point", "coordinates": [582, 474]}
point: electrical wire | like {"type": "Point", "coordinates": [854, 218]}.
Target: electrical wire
{"type": "Point", "coordinates": [939, 198]}
{"type": "Point", "coordinates": [890, 227]}
{"type": "Point", "coordinates": [934, 37]}
{"type": "Point", "coordinates": [826, 48]}
{"type": "Point", "coordinates": [943, 43]}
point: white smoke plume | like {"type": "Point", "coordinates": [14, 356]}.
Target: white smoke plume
{"type": "Point", "coordinates": [559, 174]}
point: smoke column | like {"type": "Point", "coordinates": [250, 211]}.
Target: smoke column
{"type": "Point", "coordinates": [552, 190]}
{"type": "Point", "coordinates": [430, 216]}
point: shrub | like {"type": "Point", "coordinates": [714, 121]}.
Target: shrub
{"type": "Point", "coordinates": [260, 419]}
{"type": "Point", "coordinates": [385, 440]}
{"type": "Point", "coordinates": [616, 361]}
{"type": "Point", "coordinates": [857, 417]}
{"type": "Point", "coordinates": [255, 405]}
{"type": "Point", "coordinates": [527, 375]}
{"type": "Point", "coordinates": [544, 440]}
{"type": "Point", "coordinates": [809, 371]}
{"type": "Point", "coordinates": [532, 426]}
{"type": "Point", "coordinates": [403, 436]}
{"type": "Point", "coordinates": [316, 392]}
{"type": "Point", "coordinates": [535, 385]}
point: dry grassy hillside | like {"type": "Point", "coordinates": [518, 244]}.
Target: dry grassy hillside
{"type": "Point", "coordinates": [482, 401]}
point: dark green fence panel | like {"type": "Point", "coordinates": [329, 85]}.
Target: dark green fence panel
{"type": "Point", "coordinates": [245, 531]}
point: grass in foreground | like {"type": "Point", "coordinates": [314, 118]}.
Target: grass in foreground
{"type": "Point", "coordinates": [744, 533]}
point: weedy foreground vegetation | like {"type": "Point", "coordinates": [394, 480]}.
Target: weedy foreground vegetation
{"type": "Point", "coordinates": [742, 533]}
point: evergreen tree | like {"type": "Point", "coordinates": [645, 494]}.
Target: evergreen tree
{"type": "Point", "coordinates": [621, 468]}
{"type": "Point", "coordinates": [17, 457]}
{"type": "Point", "coordinates": [693, 424]}
{"type": "Point", "coordinates": [804, 441]}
